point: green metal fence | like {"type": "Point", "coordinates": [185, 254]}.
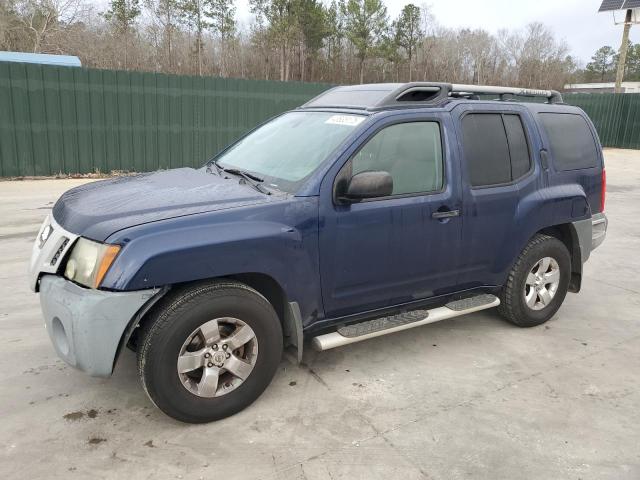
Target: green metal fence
{"type": "Point", "coordinates": [76, 120]}
{"type": "Point", "coordinates": [616, 117]}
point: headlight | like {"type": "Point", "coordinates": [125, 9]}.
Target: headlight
{"type": "Point", "coordinates": [89, 262]}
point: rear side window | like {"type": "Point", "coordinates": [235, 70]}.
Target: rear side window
{"type": "Point", "coordinates": [495, 147]}
{"type": "Point", "coordinates": [571, 142]}
{"type": "Point", "coordinates": [518, 147]}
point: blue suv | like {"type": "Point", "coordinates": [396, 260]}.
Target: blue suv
{"type": "Point", "coordinates": [370, 209]}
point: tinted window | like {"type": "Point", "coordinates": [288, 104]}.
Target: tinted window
{"type": "Point", "coordinates": [410, 152]}
{"type": "Point", "coordinates": [571, 143]}
{"type": "Point", "coordinates": [518, 148]}
{"type": "Point", "coordinates": [495, 148]}
{"type": "Point", "coordinates": [486, 149]}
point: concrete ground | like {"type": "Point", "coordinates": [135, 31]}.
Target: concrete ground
{"type": "Point", "coordinates": [467, 398]}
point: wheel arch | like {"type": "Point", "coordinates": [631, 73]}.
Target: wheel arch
{"type": "Point", "coordinates": [568, 235]}
{"type": "Point", "coordinates": [264, 284]}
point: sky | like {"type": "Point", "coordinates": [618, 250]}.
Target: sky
{"type": "Point", "coordinates": [576, 21]}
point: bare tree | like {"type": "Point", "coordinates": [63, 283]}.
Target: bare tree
{"type": "Point", "coordinates": [165, 22]}
{"type": "Point", "coordinates": [43, 18]}
{"type": "Point", "coordinates": [339, 42]}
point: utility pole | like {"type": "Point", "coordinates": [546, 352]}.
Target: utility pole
{"type": "Point", "coordinates": [622, 54]}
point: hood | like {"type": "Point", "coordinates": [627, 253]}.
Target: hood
{"type": "Point", "coordinates": [98, 209]}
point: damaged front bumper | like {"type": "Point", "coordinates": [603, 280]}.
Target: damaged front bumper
{"type": "Point", "coordinates": [87, 326]}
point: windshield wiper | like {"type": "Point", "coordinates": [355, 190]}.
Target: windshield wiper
{"type": "Point", "coordinates": [243, 173]}
{"type": "Point", "coordinates": [251, 179]}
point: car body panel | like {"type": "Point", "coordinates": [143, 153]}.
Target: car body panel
{"type": "Point", "coordinates": [98, 209]}
{"type": "Point", "coordinates": [86, 326]}
{"type": "Point", "coordinates": [279, 240]}
{"type": "Point", "coordinates": [589, 178]}
{"type": "Point", "coordinates": [498, 221]}
{"type": "Point", "coordinates": [389, 251]}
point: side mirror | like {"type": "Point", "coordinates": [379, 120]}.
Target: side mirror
{"type": "Point", "coordinates": [368, 185]}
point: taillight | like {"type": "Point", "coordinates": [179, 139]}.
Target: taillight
{"type": "Point", "coordinates": [603, 191]}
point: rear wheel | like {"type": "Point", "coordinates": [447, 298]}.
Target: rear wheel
{"type": "Point", "coordinates": [537, 283]}
{"type": "Point", "coordinates": [209, 351]}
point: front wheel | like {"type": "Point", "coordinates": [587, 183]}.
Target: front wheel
{"type": "Point", "coordinates": [209, 351]}
{"type": "Point", "coordinates": [537, 283]}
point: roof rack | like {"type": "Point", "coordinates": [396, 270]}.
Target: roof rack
{"type": "Point", "coordinates": [552, 96]}
{"type": "Point", "coordinates": [417, 94]}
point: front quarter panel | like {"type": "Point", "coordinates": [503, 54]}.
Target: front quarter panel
{"type": "Point", "coordinates": [278, 240]}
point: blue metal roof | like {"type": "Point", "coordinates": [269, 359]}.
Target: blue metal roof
{"type": "Point", "coordinates": [41, 58]}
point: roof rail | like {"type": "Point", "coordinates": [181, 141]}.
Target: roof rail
{"type": "Point", "coordinates": [382, 96]}
{"type": "Point", "coordinates": [434, 93]}
{"type": "Point", "coordinates": [552, 96]}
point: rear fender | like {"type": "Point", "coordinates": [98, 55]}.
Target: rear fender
{"type": "Point", "coordinates": [546, 209]}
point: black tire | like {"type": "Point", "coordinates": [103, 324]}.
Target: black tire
{"type": "Point", "coordinates": [513, 306]}
{"type": "Point", "coordinates": [184, 311]}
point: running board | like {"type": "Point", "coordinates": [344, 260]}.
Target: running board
{"type": "Point", "coordinates": [403, 321]}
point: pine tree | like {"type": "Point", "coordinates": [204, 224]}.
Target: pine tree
{"type": "Point", "coordinates": [365, 24]}
{"type": "Point", "coordinates": [409, 32]}
{"type": "Point", "coordinates": [602, 63]}
{"type": "Point", "coordinates": [221, 16]}
{"type": "Point", "coordinates": [123, 14]}
{"type": "Point", "coordinates": [194, 15]}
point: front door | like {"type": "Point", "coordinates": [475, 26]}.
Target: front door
{"type": "Point", "coordinates": [401, 248]}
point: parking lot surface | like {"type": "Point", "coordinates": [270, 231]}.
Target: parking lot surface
{"type": "Point", "coordinates": [469, 398]}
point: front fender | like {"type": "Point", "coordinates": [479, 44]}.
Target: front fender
{"type": "Point", "coordinates": [251, 240]}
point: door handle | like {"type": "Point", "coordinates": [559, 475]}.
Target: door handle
{"type": "Point", "coordinates": [445, 214]}
{"type": "Point", "coordinates": [544, 159]}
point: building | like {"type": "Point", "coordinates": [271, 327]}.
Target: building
{"type": "Point", "coordinates": [40, 58]}
{"type": "Point", "coordinates": [609, 87]}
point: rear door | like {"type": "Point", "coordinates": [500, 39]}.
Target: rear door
{"type": "Point", "coordinates": [392, 250]}
{"type": "Point", "coordinates": [499, 174]}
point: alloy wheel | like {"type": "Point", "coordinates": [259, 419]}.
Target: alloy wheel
{"type": "Point", "coordinates": [542, 283]}
{"type": "Point", "coordinates": [217, 357]}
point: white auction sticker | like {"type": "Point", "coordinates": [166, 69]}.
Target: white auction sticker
{"type": "Point", "coordinates": [349, 120]}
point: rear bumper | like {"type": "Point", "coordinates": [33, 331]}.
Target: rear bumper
{"type": "Point", "coordinates": [590, 234]}
{"type": "Point", "coordinates": [85, 325]}
{"type": "Point", "coordinates": [599, 224]}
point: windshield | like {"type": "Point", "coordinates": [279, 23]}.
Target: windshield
{"type": "Point", "coordinates": [285, 151]}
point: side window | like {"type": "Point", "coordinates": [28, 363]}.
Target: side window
{"type": "Point", "coordinates": [410, 152]}
{"type": "Point", "coordinates": [571, 142]}
{"type": "Point", "coordinates": [495, 148]}
{"type": "Point", "coordinates": [486, 149]}
{"type": "Point", "coordinates": [518, 147]}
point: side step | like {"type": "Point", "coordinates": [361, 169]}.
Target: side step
{"type": "Point", "coordinates": [403, 321]}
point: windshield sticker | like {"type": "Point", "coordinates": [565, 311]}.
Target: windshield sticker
{"type": "Point", "coordinates": [349, 120]}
